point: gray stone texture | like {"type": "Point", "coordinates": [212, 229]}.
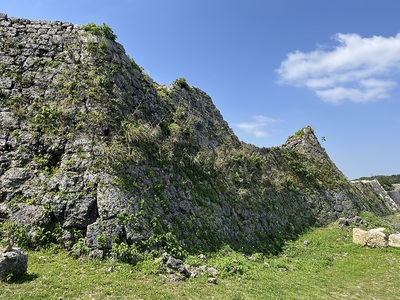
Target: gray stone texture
{"type": "Point", "coordinates": [13, 263]}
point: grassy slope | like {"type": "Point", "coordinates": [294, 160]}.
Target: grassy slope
{"type": "Point", "coordinates": [330, 267]}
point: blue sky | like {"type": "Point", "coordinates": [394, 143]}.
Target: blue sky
{"type": "Point", "coordinates": [271, 67]}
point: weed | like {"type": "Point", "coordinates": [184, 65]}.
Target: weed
{"type": "Point", "coordinates": [80, 249]}
{"type": "Point", "coordinates": [10, 276]}
{"type": "Point", "coordinates": [102, 81]}
{"type": "Point", "coordinates": [125, 253]}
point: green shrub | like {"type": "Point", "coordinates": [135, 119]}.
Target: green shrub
{"type": "Point", "coordinates": [151, 267]}
{"type": "Point", "coordinates": [232, 267]}
{"type": "Point", "coordinates": [182, 83]}
{"type": "Point", "coordinates": [167, 242]}
{"type": "Point", "coordinates": [80, 249]}
{"type": "Point", "coordinates": [125, 253]}
{"type": "Point", "coordinates": [16, 234]}
{"type": "Point", "coordinates": [230, 263]}
{"type": "Point", "coordinates": [29, 236]}
{"type": "Point", "coordinates": [102, 30]}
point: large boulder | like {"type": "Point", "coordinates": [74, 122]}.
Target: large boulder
{"type": "Point", "coordinates": [374, 238]}
{"type": "Point", "coordinates": [377, 239]}
{"type": "Point", "coordinates": [13, 262]}
{"type": "Point", "coordinates": [394, 240]}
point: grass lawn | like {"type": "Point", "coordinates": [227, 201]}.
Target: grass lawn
{"type": "Point", "coordinates": [330, 266]}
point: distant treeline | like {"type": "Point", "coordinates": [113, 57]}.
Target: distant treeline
{"type": "Point", "coordinates": [386, 181]}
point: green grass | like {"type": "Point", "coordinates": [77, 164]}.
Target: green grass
{"type": "Point", "coordinates": [329, 267]}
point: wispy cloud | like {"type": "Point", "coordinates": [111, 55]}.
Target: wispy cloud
{"type": "Point", "coordinates": [358, 69]}
{"type": "Point", "coordinates": [257, 127]}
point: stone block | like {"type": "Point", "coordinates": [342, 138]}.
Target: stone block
{"type": "Point", "coordinates": [374, 238]}
{"type": "Point", "coordinates": [13, 262]}
{"type": "Point", "coordinates": [360, 236]}
{"type": "Point", "coordinates": [394, 240]}
{"type": "Point", "coordinates": [377, 239]}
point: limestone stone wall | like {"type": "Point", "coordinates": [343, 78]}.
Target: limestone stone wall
{"type": "Point", "coordinates": [91, 145]}
{"type": "Point", "coordinates": [395, 194]}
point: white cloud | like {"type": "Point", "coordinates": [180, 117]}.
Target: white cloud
{"type": "Point", "coordinates": [257, 127]}
{"type": "Point", "coordinates": [358, 69]}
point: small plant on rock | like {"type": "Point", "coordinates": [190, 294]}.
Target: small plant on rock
{"type": "Point", "coordinates": [182, 83]}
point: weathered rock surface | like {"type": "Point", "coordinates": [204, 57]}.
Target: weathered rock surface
{"type": "Point", "coordinates": [394, 240]}
{"type": "Point", "coordinates": [356, 220]}
{"type": "Point", "coordinates": [13, 262]}
{"type": "Point", "coordinates": [90, 143]}
{"type": "Point", "coordinates": [177, 265]}
{"type": "Point", "coordinates": [372, 190]}
{"type": "Point", "coordinates": [395, 194]}
{"type": "Point", "coordinates": [374, 238]}
{"type": "Point", "coordinates": [185, 271]}
{"type": "Point", "coordinates": [29, 214]}
{"type": "Point", "coordinates": [102, 233]}
{"type": "Point", "coordinates": [360, 236]}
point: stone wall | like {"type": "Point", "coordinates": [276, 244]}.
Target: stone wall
{"type": "Point", "coordinates": [395, 194]}
{"type": "Point", "coordinates": [91, 145]}
{"type": "Point", "coordinates": [376, 195]}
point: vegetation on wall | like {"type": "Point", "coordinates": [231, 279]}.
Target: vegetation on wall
{"type": "Point", "coordinates": [386, 181]}
{"type": "Point", "coordinates": [109, 161]}
{"type": "Point", "coordinates": [101, 30]}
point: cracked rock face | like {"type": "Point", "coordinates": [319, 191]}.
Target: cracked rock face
{"type": "Point", "coordinates": [91, 143]}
